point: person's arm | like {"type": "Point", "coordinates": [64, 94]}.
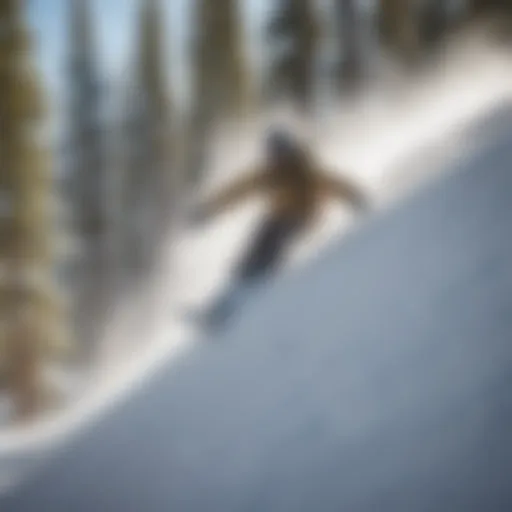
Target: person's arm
{"type": "Point", "coordinates": [237, 192]}
{"type": "Point", "coordinates": [343, 189]}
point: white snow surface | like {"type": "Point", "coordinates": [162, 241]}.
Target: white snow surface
{"type": "Point", "coordinates": [389, 143]}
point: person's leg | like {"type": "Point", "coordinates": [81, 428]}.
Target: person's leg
{"type": "Point", "coordinates": [266, 251]}
{"type": "Point", "coordinates": [262, 258]}
{"type": "Point", "coordinates": [230, 299]}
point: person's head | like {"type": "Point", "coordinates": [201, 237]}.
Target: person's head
{"type": "Point", "coordinates": [281, 148]}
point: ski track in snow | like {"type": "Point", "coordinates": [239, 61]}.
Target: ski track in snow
{"type": "Point", "coordinates": [370, 141]}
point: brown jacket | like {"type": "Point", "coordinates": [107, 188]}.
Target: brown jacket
{"type": "Point", "coordinates": [296, 194]}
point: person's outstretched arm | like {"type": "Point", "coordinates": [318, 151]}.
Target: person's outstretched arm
{"type": "Point", "coordinates": [235, 193]}
{"type": "Point", "coordinates": [343, 189]}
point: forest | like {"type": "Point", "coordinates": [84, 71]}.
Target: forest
{"type": "Point", "coordinates": [83, 219]}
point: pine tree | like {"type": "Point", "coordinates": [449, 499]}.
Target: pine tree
{"type": "Point", "coordinates": [293, 35]}
{"type": "Point", "coordinates": [87, 174]}
{"type": "Point", "coordinates": [220, 64]}
{"type": "Point", "coordinates": [222, 86]}
{"type": "Point", "coordinates": [399, 28]}
{"type": "Point", "coordinates": [149, 176]}
{"type": "Point", "coordinates": [29, 313]}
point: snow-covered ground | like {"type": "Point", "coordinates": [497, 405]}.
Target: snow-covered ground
{"type": "Point", "coordinates": [389, 142]}
{"type": "Point", "coordinates": [375, 379]}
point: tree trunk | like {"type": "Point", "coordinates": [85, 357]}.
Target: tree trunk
{"type": "Point", "coordinates": [350, 65]}
{"type": "Point", "coordinates": [399, 28]}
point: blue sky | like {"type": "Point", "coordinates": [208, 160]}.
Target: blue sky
{"type": "Point", "coordinates": [115, 21]}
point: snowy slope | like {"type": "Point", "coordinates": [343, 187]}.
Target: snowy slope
{"type": "Point", "coordinates": [376, 379]}
{"type": "Point", "coordinates": [392, 145]}
{"type": "Point", "coordinates": [390, 141]}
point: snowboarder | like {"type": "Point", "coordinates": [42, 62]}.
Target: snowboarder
{"type": "Point", "coordinates": [295, 186]}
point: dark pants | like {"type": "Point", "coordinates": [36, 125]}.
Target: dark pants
{"type": "Point", "coordinates": [266, 252]}
{"type": "Point", "coordinates": [264, 256]}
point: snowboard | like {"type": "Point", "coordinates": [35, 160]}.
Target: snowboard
{"type": "Point", "coordinates": [217, 315]}
{"type": "Point", "coordinates": [205, 319]}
